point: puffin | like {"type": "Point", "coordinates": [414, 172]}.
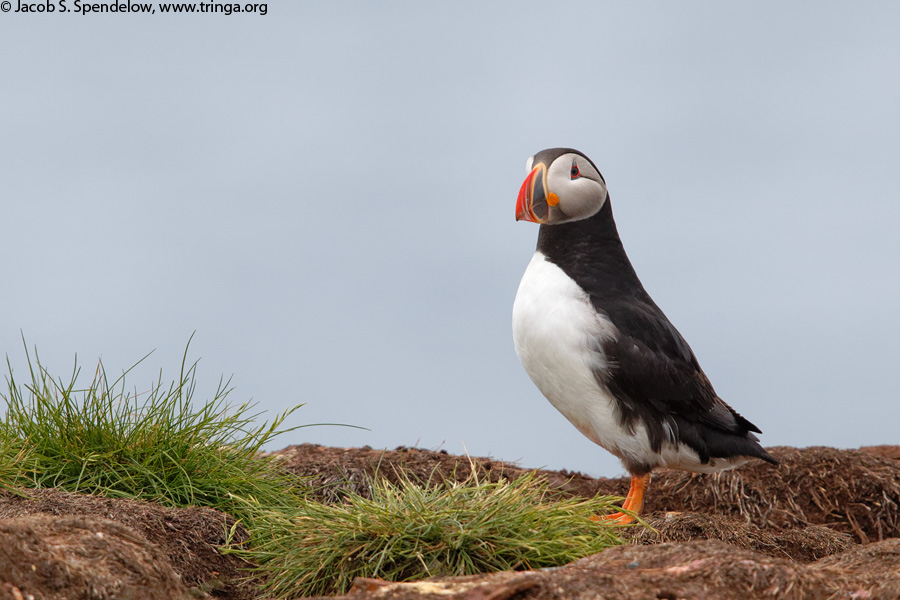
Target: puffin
{"type": "Point", "coordinates": [599, 348]}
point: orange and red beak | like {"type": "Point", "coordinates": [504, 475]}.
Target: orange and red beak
{"type": "Point", "coordinates": [535, 199]}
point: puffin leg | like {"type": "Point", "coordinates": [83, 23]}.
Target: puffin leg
{"type": "Point", "coordinates": [634, 502]}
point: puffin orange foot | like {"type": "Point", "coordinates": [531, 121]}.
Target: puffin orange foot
{"type": "Point", "coordinates": [634, 502]}
{"type": "Point", "coordinates": [618, 518]}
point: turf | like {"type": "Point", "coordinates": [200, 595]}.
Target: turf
{"type": "Point", "coordinates": [164, 447]}
{"type": "Point", "coordinates": [105, 440]}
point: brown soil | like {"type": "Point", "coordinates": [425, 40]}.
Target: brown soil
{"type": "Point", "coordinates": [46, 556]}
{"type": "Point", "coordinates": [824, 524]}
{"type": "Point", "coordinates": [123, 542]}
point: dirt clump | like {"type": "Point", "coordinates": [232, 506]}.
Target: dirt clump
{"type": "Point", "coordinates": [47, 556]}
{"type": "Point", "coordinates": [850, 491]}
{"type": "Point", "coordinates": [802, 545]}
{"type": "Point", "coordinates": [186, 539]}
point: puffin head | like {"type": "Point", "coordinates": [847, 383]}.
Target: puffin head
{"type": "Point", "coordinates": [562, 185]}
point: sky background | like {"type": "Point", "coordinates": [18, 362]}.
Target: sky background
{"type": "Point", "coordinates": [325, 195]}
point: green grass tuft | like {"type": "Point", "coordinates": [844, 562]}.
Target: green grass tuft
{"type": "Point", "coordinates": [157, 446]}
{"type": "Point", "coordinates": [406, 532]}
{"type": "Point", "coordinates": [154, 446]}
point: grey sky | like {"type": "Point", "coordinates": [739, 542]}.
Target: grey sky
{"type": "Point", "coordinates": [326, 195]}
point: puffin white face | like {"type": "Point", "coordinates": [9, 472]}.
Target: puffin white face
{"type": "Point", "coordinates": [569, 188]}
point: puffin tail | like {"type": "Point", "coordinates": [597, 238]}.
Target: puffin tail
{"type": "Point", "coordinates": [763, 454]}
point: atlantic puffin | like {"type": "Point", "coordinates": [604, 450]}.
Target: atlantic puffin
{"type": "Point", "coordinates": [599, 348]}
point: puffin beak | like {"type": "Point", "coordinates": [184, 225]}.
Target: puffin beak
{"type": "Point", "coordinates": [535, 200]}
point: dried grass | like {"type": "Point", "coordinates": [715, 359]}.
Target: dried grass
{"type": "Point", "coordinates": [853, 491]}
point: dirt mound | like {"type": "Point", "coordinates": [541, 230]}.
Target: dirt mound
{"type": "Point", "coordinates": [700, 570]}
{"type": "Point", "coordinates": [184, 539]}
{"type": "Point", "coordinates": [851, 491]}
{"type": "Point", "coordinates": [802, 545]}
{"type": "Point", "coordinates": [82, 557]}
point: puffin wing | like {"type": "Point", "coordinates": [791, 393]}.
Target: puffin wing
{"type": "Point", "coordinates": [655, 377]}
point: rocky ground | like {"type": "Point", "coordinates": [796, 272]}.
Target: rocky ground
{"type": "Point", "coordinates": [824, 524]}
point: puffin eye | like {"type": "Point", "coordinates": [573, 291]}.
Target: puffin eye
{"type": "Point", "coordinates": [574, 172]}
